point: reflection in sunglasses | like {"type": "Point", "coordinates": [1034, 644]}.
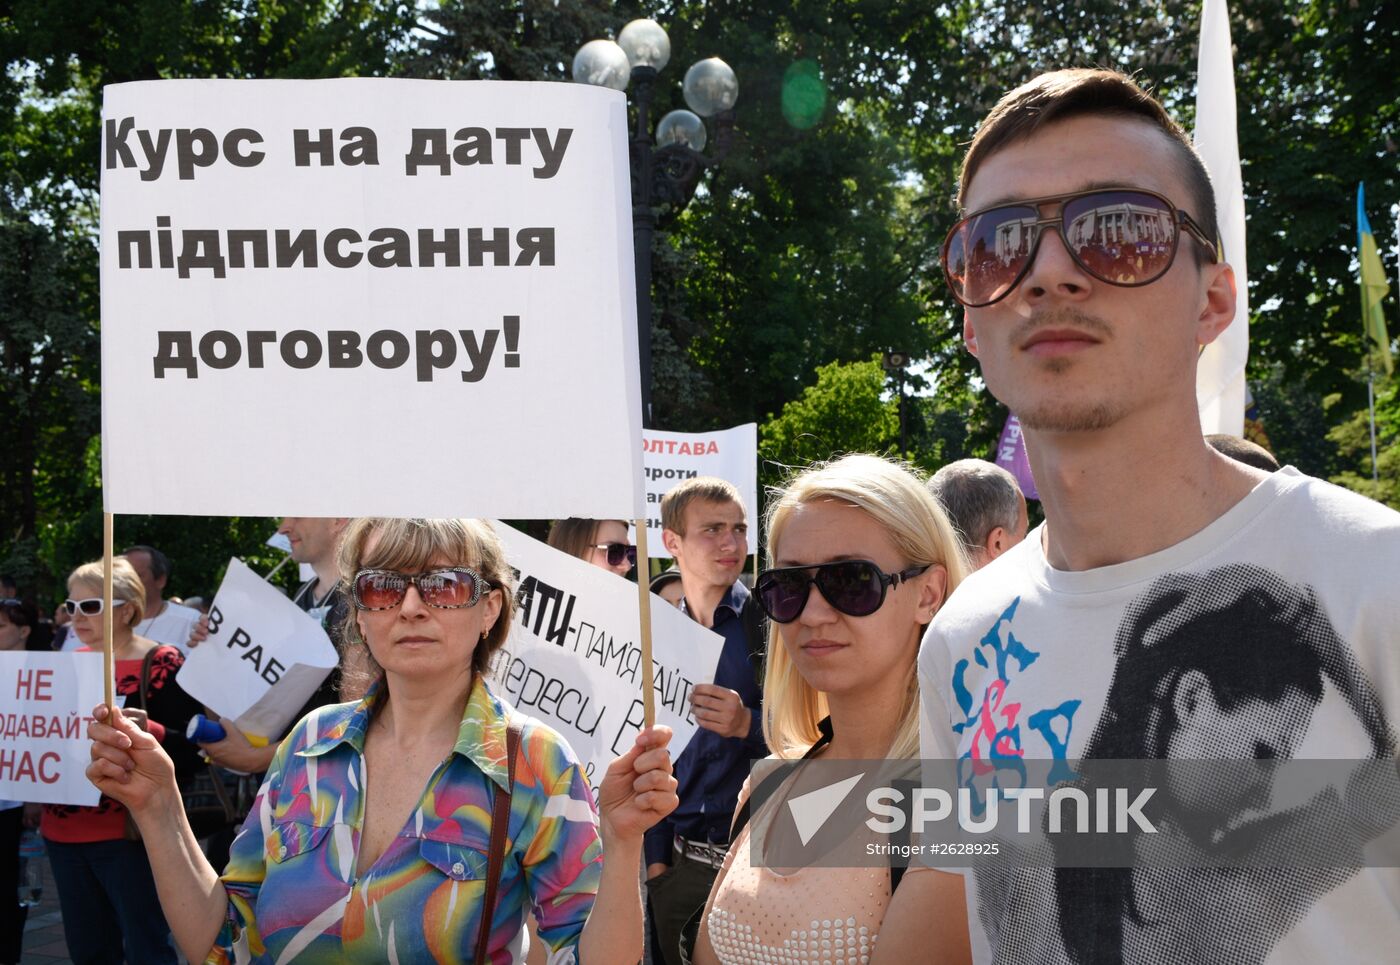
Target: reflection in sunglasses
{"type": "Point", "coordinates": [1123, 236]}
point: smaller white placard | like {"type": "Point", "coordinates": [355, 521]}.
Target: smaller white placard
{"type": "Point", "coordinates": [670, 458]}
{"type": "Point", "coordinates": [48, 700]}
{"type": "Point", "coordinates": [264, 658]}
{"type": "Point", "coordinates": [280, 540]}
{"type": "Point", "coordinates": [573, 658]}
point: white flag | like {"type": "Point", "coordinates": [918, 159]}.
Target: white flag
{"type": "Point", "coordinates": [1220, 390]}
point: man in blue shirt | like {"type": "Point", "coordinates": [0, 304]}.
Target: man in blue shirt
{"type": "Point", "coordinates": [704, 530]}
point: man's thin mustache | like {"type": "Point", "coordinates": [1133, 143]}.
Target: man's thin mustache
{"type": "Point", "coordinates": [1061, 318]}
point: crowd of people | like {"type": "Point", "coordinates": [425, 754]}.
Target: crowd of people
{"type": "Point", "coordinates": [1185, 597]}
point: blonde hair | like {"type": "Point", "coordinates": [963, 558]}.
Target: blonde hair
{"type": "Point", "coordinates": [896, 499]}
{"type": "Point", "coordinates": [412, 546]}
{"type": "Point", "coordinates": [126, 586]}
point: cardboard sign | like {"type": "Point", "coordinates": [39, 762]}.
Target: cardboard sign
{"type": "Point", "coordinates": [264, 657]}
{"type": "Point", "coordinates": [573, 658]}
{"type": "Point", "coordinates": [445, 266]}
{"type": "Point", "coordinates": [48, 700]}
{"type": "Point", "coordinates": [670, 458]}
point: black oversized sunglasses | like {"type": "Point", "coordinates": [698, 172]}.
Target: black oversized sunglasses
{"type": "Point", "coordinates": [855, 587]}
{"type": "Point", "coordinates": [449, 588]}
{"type": "Point", "coordinates": [1123, 236]}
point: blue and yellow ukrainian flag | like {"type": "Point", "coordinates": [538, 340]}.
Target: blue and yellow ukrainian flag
{"type": "Point", "coordinates": [1374, 286]}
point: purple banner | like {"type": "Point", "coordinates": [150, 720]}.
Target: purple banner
{"type": "Point", "coordinates": [1011, 456]}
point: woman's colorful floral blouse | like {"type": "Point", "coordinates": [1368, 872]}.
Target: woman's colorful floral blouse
{"type": "Point", "coordinates": [293, 891]}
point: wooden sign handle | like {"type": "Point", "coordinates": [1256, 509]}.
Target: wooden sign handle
{"type": "Point", "coordinates": [644, 596]}
{"type": "Point", "coordinates": [108, 662]}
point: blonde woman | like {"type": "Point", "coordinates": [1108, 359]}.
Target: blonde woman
{"type": "Point", "coordinates": [420, 822]}
{"type": "Point", "coordinates": [860, 559]}
{"type": "Point", "coordinates": [104, 884]}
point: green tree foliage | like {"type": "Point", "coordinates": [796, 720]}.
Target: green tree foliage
{"type": "Point", "coordinates": [57, 57]}
{"type": "Point", "coordinates": [523, 40]}
{"type": "Point", "coordinates": [48, 366]}
{"type": "Point", "coordinates": [806, 245]}
{"type": "Point", "coordinates": [814, 243]}
{"type": "Point", "coordinates": [847, 410]}
{"type": "Point", "coordinates": [1352, 438]}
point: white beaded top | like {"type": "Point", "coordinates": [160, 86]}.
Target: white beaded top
{"type": "Point", "coordinates": [826, 941]}
{"type": "Point", "coordinates": [821, 916]}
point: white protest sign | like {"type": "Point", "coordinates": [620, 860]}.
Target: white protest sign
{"type": "Point", "coordinates": [573, 658]}
{"type": "Point", "coordinates": [447, 267]}
{"type": "Point", "coordinates": [264, 657]}
{"type": "Point", "coordinates": [48, 700]}
{"type": "Point", "coordinates": [670, 458]}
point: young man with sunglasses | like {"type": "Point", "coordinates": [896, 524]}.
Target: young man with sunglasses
{"type": "Point", "coordinates": [1090, 277]}
{"type": "Point", "coordinates": [704, 530]}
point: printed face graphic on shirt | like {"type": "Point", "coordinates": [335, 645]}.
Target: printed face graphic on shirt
{"type": "Point", "coordinates": [1229, 664]}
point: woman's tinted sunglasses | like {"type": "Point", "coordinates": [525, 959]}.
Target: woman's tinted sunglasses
{"type": "Point", "coordinates": [855, 587]}
{"type": "Point", "coordinates": [617, 552]}
{"type": "Point", "coordinates": [450, 588]}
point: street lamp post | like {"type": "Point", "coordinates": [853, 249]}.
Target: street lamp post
{"type": "Point", "coordinates": [898, 363]}
{"type": "Point", "coordinates": [667, 170]}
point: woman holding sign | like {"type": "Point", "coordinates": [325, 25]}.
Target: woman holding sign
{"type": "Point", "coordinates": [104, 882]}
{"type": "Point", "coordinates": [419, 822]}
{"type": "Point", "coordinates": [861, 558]}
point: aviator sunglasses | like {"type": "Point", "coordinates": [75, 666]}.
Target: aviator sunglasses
{"type": "Point", "coordinates": [617, 551]}
{"type": "Point", "coordinates": [92, 606]}
{"type": "Point", "coordinates": [1122, 236]}
{"type": "Point", "coordinates": [450, 588]}
{"type": "Point", "coordinates": [855, 587]}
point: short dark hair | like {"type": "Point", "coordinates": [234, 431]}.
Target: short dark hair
{"type": "Point", "coordinates": [1078, 92]}
{"type": "Point", "coordinates": [20, 613]}
{"type": "Point", "coordinates": [978, 496]}
{"type": "Point", "coordinates": [160, 563]}
{"type": "Point", "coordinates": [1242, 450]}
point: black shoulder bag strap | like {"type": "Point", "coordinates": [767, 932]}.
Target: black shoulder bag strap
{"type": "Point", "coordinates": [741, 817]}
{"type": "Point", "coordinates": [770, 784]}
{"type": "Point", "coordinates": [500, 828]}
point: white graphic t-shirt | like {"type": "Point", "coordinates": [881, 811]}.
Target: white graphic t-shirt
{"type": "Point", "coordinates": [1273, 632]}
